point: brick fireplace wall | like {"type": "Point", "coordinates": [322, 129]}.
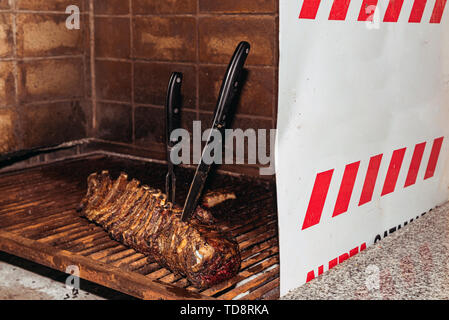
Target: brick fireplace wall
{"type": "Point", "coordinates": [108, 80]}
{"type": "Point", "coordinates": [138, 43]}
{"type": "Point", "coordinates": [43, 89]}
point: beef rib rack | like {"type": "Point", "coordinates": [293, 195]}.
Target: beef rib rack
{"type": "Point", "coordinates": [142, 218]}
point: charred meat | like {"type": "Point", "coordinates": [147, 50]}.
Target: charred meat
{"type": "Point", "coordinates": [140, 217]}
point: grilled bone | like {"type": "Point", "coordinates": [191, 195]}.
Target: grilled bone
{"type": "Point", "coordinates": [213, 198]}
{"type": "Point", "coordinates": [140, 217]}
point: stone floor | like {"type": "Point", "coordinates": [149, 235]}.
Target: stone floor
{"type": "Point", "coordinates": [412, 263]}
{"type": "Point", "coordinates": [24, 280]}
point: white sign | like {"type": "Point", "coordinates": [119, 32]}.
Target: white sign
{"type": "Point", "coordinates": [363, 126]}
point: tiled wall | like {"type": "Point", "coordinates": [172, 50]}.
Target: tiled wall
{"type": "Point", "coordinates": [138, 43]}
{"type": "Point", "coordinates": [108, 80]}
{"type": "Point", "coordinates": [42, 75]}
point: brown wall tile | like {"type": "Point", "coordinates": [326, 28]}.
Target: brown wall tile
{"type": "Point", "coordinates": [244, 123]}
{"type": "Point", "coordinates": [114, 122]}
{"type": "Point", "coordinates": [150, 129]}
{"type": "Point", "coordinates": [276, 44]}
{"type": "Point", "coordinates": [257, 93]}
{"type": "Point", "coordinates": [47, 35]}
{"type": "Point", "coordinates": [87, 79]}
{"type": "Point", "coordinates": [86, 37]}
{"type": "Point", "coordinates": [238, 122]}
{"type": "Point", "coordinates": [113, 80]}
{"type": "Point", "coordinates": [49, 5]}
{"type": "Point", "coordinates": [112, 37]}
{"type": "Point", "coordinates": [7, 86]}
{"type": "Point", "coordinates": [166, 6]}
{"type": "Point", "coordinates": [151, 82]}
{"type": "Point", "coordinates": [150, 125]}
{"type": "Point", "coordinates": [6, 37]}
{"type": "Point", "coordinates": [275, 97]}
{"type": "Point", "coordinates": [87, 106]}
{"type": "Point", "coordinates": [51, 79]}
{"type": "Point", "coordinates": [165, 38]}
{"type": "Point", "coordinates": [8, 140]}
{"type": "Point", "coordinates": [187, 118]}
{"type": "Point", "coordinates": [53, 123]}
{"type": "Point", "coordinates": [111, 7]}
{"type": "Point", "coordinates": [4, 4]}
{"type": "Point", "coordinates": [42, 35]}
{"type": "Point", "coordinates": [238, 6]}
{"type": "Point", "coordinates": [220, 35]}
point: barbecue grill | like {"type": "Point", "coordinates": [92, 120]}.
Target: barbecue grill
{"type": "Point", "coordinates": [82, 90]}
{"type": "Point", "coordinates": [42, 225]}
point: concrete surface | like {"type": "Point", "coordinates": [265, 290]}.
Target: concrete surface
{"type": "Point", "coordinates": [24, 280]}
{"type": "Point", "coordinates": [412, 263]}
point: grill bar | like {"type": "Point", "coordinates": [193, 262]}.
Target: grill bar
{"type": "Point", "coordinates": [38, 212]}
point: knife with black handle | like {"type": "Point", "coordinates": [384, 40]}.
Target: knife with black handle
{"type": "Point", "coordinates": [173, 121]}
{"type": "Point", "coordinates": [229, 88]}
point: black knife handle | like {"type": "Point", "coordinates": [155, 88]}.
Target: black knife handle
{"type": "Point", "coordinates": [230, 84]}
{"type": "Point", "coordinates": [173, 121]}
{"type": "Point", "coordinates": [173, 107]}
{"type": "Point", "coordinates": [228, 90]}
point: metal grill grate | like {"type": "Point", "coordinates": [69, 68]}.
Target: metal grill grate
{"type": "Point", "coordinates": [39, 222]}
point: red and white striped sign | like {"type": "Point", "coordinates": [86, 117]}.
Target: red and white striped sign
{"type": "Point", "coordinates": [339, 10]}
{"type": "Point", "coordinates": [362, 137]}
{"type": "Point", "coordinates": [323, 180]}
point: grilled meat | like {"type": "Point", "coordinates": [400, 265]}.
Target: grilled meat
{"type": "Point", "coordinates": [142, 218]}
{"type": "Point", "coordinates": [213, 198]}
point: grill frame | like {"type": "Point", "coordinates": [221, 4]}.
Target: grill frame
{"type": "Point", "coordinates": [41, 225]}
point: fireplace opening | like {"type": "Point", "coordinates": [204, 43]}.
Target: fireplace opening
{"type": "Point", "coordinates": [83, 86]}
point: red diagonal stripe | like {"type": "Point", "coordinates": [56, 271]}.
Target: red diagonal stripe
{"type": "Point", "coordinates": [393, 171]}
{"type": "Point", "coordinates": [317, 199]}
{"type": "Point", "coordinates": [417, 11]}
{"type": "Point", "coordinates": [370, 180]}
{"type": "Point", "coordinates": [347, 185]}
{"type": "Point", "coordinates": [438, 10]}
{"type": "Point", "coordinates": [393, 10]}
{"type": "Point", "coordinates": [433, 159]}
{"type": "Point", "coordinates": [309, 9]}
{"type": "Point", "coordinates": [415, 164]}
{"type": "Point", "coordinates": [367, 10]}
{"type": "Point", "coordinates": [339, 9]}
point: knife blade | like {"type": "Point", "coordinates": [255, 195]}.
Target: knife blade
{"type": "Point", "coordinates": [229, 88]}
{"type": "Point", "coordinates": [173, 121]}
